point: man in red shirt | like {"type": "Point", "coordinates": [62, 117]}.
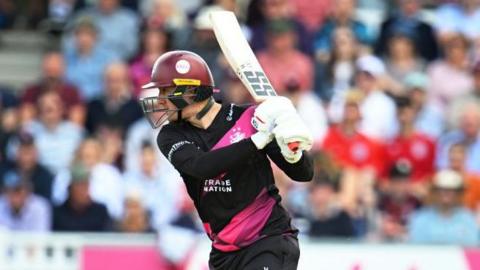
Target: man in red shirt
{"type": "Point", "coordinates": [348, 146]}
{"type": "Point", "coordinates": [415, 147]}
{"type": "Point", "coordinates": [412, 145]}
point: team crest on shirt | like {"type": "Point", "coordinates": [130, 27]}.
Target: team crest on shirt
{"type": "Point", "coordinates": [237, 135]}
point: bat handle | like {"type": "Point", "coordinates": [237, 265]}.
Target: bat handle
{"type": "Point", "coordinates": [293, 146]}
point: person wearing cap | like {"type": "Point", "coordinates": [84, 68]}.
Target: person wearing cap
{"type": "Point", "coordinates": [79, 212]}
{"type": "Point", "coordinates": [412, 145]}
{"type": "Point", "coordinates": [282, 61]}
{"type": "Point", "coordinates": [396, 201]}
{"type": "Point", "coordinates": [135, 218]}
{"type": "Point", "coordinates": [20, 210]}
{"type": "Point", "coordinates": [428, 118]}
{"type": "Point", "coordinates": [377, 108]}
{"type": "Point", "coordinates": [103, 176]}
{"type": "Point", "coordinates": [86, 59]}
{"type": "Point", "coordinates": [445, 221]}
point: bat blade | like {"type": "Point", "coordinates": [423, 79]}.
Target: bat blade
{"type": "Point", "coordinates": [240, 56]}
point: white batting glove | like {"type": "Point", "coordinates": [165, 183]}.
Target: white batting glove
{"type": "Point", "coordinates": [290, 128]}
{"type": "Point", "coordinates": [269, 110]}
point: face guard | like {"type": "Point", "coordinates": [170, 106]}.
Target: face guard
{"type": "Point", "coordinates": [154, 101]}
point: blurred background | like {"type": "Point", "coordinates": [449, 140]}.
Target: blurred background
{"type": "Point", "coordinates": [390, 90]}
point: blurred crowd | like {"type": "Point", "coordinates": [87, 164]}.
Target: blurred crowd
{"type": "Point", "coordinates": [390, 90]}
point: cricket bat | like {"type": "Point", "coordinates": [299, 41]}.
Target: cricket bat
{"type": "Point", "coordinates": [241, 58]}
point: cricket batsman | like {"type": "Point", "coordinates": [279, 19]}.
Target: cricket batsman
{"type": "Point", "coordinates": [222, 152]}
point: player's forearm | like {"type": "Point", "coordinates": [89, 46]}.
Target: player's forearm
{"type": "Point", "coordinates": [301, 171]}
{"type": "Point", "coordinates": [207, 165]}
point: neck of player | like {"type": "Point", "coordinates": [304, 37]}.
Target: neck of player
{"type": "Point", "coordinates": [207, 119]}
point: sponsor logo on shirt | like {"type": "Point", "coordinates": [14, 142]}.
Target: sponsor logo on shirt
{"type": "Point", "coordinates": [175, 147]}
{"type": "Point", "coordinates": [217, 185]}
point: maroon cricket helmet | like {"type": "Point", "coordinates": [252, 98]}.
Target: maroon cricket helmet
{"type": "Point", "coordinates": [179, 68]}
{"type": "Point", "coordinates": [188, 75]}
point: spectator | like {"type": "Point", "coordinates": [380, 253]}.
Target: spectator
{"type": "Point", "coordinates": [102, 176]}
{"type": "Point", "coordinates": [310, 109]}
{"type": "Point", "coordinates": [456, 158]}
{"type": "Point", "coordinates": [237, 92]}
{"type": "Point", "coordinates": [20, 210]}
{"type": "Point", "coordinates": [467, 134]}
{"type": "Point", "coordinates": [410, 144]}
{"type": "Point", "coordinates": [59, 11]}
{"type": "Point", "coordinates": [149, 182]}
{"type": "Point", "coordinates": [155, 42]}
{"type": "Point", "coordinates": [445, 221]}
{"type": "Point", "coordinates": [7, 14]}
{"type": "Point", "coordinates": [342, 15]}
{"type": "Point", "coordinates": [348, 146]}
{"type": "Point", "coordinates": [336, 75]}
{"type": "Point", "coordinates": [53, 71]}
{"type": "Point", "coordinates": [458, 17]}
{"type": "Point", "coordinates": [474, 96]}
{"type": "Point", "coordinates": [312, 14]}
{"type": "Point", "coordinates": [281, 61]}
{"type": "Point", "coordinates": [79, 212]}
{"type": "Point", "coordinates": [199, 38]}
{"type": "Point", "coordinates": [26, 164]}
{"type": "Point", "coordinates": [116, 107]}
{"type": "Point", "coordinates": [56, 139]}
{"type": "Point", "coordinates": [274, 10]}
{"type": "Point", "coordinates": [401, 58]}
{"type": "Point", "coordinates": [164, 14]}
{"type": "Point", "coordinates": [449, 77]}
{"type": "Point", "coordinates": [114, 23]}
{"type": "Point", "coordinates": [86, 59]}
{"type": "Point", "coordinates": [396, 203]}
{"type": "Point", "coordinates": [135, 218]}
{"type": "Point", "coordinates": [140, 133]}
{"type": "Point", "coordinates": [408, 18]}
{"type": "Point", "coordinates": [328, 218]}
{"type": "Point", "coordinates": [428, 117]}
{"type": "Point", "coordinates": [9, 121]}
{"type": "Point", "coordinates": [377, 109]}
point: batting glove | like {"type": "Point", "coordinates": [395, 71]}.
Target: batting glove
{"type": "Point", "coordinates": [290, 128]}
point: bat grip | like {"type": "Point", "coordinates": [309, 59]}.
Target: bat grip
{"type": "Point", "coordinates": [293, 146]}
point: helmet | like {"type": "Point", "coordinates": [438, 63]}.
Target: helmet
{"type": "Point", "coordinates": [174, 66]}
{"type": "Point", "coordinates": [184, 71]}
